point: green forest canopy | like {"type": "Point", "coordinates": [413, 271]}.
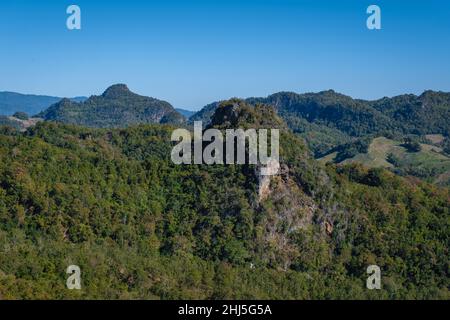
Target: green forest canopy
{"type": "Point", "coordinates": [112, 202]}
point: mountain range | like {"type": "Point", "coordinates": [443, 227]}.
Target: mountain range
{"type": "Point", "coordinates": [328, 119]}
{"type": "Point", "coordinates": [336, 127]}
{"type": "Point", "coordinates": [12, 102]}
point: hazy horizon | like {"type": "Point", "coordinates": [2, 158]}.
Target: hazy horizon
{"type": "Point", "coordinates": [200, 107]}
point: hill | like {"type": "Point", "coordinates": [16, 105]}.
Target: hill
{"type": "Point", "coordinates": [116, 107]}
{"type": "Point", "coordinates": [430, 163]}
{"type": "Point", "coordinates": [11, 102]}
{"type": "Point", "coordinates": [139, 226]}
{"type": "Point", "coordinates": [328, 119]}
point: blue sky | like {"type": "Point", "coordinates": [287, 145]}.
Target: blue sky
{"type": "Point", "coordinates": [193, 52]}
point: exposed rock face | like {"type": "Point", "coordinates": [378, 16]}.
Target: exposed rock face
{"type": "Point", "coordinates": [328, 228]}
{"type": "Point", "coordinates": [290, 211]}
{"type": "Point", "coordinates": [264, 187]}
{"type": "Point", "coordinates": [287, 211]}
{"type": "Point", "coordinates": [264, 176]}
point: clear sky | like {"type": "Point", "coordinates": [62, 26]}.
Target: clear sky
{"type": "Point", "coordinates": [193, 52]}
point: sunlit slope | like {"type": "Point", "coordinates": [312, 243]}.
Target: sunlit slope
{"type": "Point", "coordinates": [387, 153]}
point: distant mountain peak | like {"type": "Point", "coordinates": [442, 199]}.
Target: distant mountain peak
{"type": "Point", "coordinates": [117, 107]}
{"type": "Point", "coordinates": [116, 91]}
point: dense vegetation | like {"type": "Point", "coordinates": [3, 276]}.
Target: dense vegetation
{"type": "Point", "coordinates": [328, 119]}
{"type": "Point", "coordinates": [21, 115]}
{"type": "Point", "coordinates": [446, 146]}
{"type": "Point", "coordinates": [338, 127]}
{"type": "Point", "coordinates": [351, 149]}
{"type": "Point", "coordinates": [407, 157]}
{"type": "Point", "coordinates": [112, 202]}
{"type": "Point", "coordinates": [116, 107]}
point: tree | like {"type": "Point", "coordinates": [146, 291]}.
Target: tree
{"type": "Point", "coordinates": [412, 145]}
{"type": "Point", "coordinates": [21, 115]}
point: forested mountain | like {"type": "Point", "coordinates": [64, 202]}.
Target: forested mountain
{"type": "Point", "coordinates": [116, 107]}
{"type": "Point", "coordinates": [139, 226]}
{"type": "Point", "coordinates": [11, 102]}
{"type": "Point", "coordinates": [327, 119]}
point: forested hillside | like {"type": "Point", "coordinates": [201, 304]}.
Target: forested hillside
{"type": "Point", "coordinates": [424, 159]}
{"type": "Point", "coordinates": [112, 202]}
{"type": "Point", "coordinates": [116, 107]}
{"type": "Point", "coordinates": [338, 128]}
{"type": "Point", "coordinates": [328, 119]}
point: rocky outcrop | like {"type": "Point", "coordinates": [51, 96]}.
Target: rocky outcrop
{"type": "Point", "coordinates": [288, 210]}
{"type": "Point", "coordinates": [265, 174]}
